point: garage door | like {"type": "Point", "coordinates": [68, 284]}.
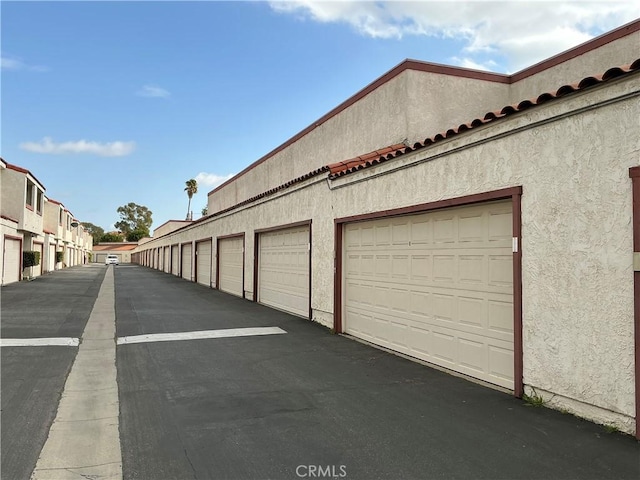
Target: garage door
{"type": "Point", "coordinates": [12, 261]}
{"type": "Point", "coordinates": [174, 260]}
{"type": "Point", "coordinates": [283, 274]}
{"type": "Point", "coordinates": [436, 286]}
{"type": "Point", "coordinates": [167, 259]}
{"type": "Point", "coordinates": [37, 270]}
{"type": "Point", "coordinates": [231, 265]}
{"type": "Point", "coordinates": [51, 260]}
{"type": "Point", "coordinates": [186, 261]}
{"type": "Point", "coordinates": [203, 261]}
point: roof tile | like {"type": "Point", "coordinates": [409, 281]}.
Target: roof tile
{"type": "Point", "coordinates": [343, 168]}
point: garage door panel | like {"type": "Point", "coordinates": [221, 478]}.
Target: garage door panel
{"type": "Point", "coordinates": [51, 261]}
{"type": "Point", "coordinates": [37, 269]}
{"type": "Point", "coordinates": [231, 265]}
{"type": "Point", "coordinates": [283, 278]}
{"type": "Point", "coordinates": [174, 260]}
{"type": "Point", "coordinates": [186, 261]}
{"type": "Point", "coordinates": [12, 261]}
{"type": "Point", "coordinates": [167, 260]}
{"type": "Point", "coordinates": [437, 286]}
{"type": "Point", "coordinates": [203, 257]}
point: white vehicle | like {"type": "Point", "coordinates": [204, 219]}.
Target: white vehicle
{"type": "Point", "coordinates": [111, 260]}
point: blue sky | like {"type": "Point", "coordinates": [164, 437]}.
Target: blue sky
{"type": "Point", "coordinates": [115, 102]}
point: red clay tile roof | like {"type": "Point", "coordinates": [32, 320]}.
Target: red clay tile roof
{"type": "Point", "coordinates": [418, 65]}
{"type": "Point", "coordinates": [349, 166]}
{"type": "Point", "coordinates": [387, 153]}
{"type": "Point", "coordinates": [114, 247]}
{"type": "Point", "coordinates": [48, 231]}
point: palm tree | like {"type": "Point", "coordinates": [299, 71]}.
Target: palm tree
{"type": "Point", "coordinates": [191, 189]}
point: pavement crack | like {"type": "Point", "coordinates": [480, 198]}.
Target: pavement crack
{"type": "Point", "coordinates": [192, 467]}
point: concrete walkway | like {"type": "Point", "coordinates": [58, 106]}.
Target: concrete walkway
{"type": "Point", "coordinates": [84, 440]}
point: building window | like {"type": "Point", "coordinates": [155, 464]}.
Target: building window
{"type": "Point", "coordinates": [40, 202]}
{"type": "Point", "coordinates": [30, 187]}
{"type": "Point", "coordinates": [60, 217]}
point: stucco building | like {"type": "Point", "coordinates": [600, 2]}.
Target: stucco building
{"type": "Point", "coordinates": [32, 222]}
{"type": "Point", "coordinates": [480, 222]}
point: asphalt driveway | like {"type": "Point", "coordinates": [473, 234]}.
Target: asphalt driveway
{"type": "Point", "coordinates": [299, 404]}
{"type": "Point", "coordinates": [32, 378]}
{"type": "Point", "coordinates": [311, 404]}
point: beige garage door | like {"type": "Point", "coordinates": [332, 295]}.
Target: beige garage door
{"type": "Point", "coordinates": [37, 270]}
{"type": "Point", "coordinates": [174, 260]}
{"type": "Point", "coordinates": [12, 261]}
{"type": "Point", "coordinates": [167, 265]}
{"type": "Point", "coordinates": [51, 260]}
{"type": "Point", "coordinates": [436, 286]}
{"type": "Point", "coordinates": [203, 260]}
{"type": "Point", "coordinates": [186, 261]}
{"type": "Point", "coordinates": [231, 265]}
{"type": "Point", "coordinates": [283, 275]}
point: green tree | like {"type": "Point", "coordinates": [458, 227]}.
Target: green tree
{"type": "Point", "coordinates": [191, 189]}
{"type": "Point", "coordinates": [111, 237]}
{"type": "Point", "coordinates": [134, 217]}
{"type": "Point", "coordinates": [205, 211]}
{"type": "Point", "coordinates": [136, 235]}
{"type": "Point", "coordinates": [95, 231]}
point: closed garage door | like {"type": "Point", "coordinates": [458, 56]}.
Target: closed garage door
{"type": "Point", "coordinates": [51, 260]}
{"type": "Point", "coordinates": [12, 261]}
{"type": "Point", "coordinates": [100, 257]}
{"type": "Point", "coordinates": [174, 260]}
{"type": "Point", "coordinates": [186, 261]}
{"type": "Point", "coordinates": [283, 274]}
{"type": "Point", "coordinates": [436, 286]}
{"type": "Point", "coordinates": [231, 265]}
{"type": "Point", "coordinates": [167, 265]}
{"type": "Point", "coordinates": [37, 270]}
{"type": "Point", "coordinates": [203, 260]}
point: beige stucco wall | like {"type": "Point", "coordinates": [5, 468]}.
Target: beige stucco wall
{"type": "Point", "coordinates": [619, 52]}
{"type": "Point", "coordinates": [576, 239]}
{"type": "Point", "coordinates": [13, 193]}
{"type": "Point", "coordinates": [169, 226]}
{"type": "Point", "coordinates": [409, 107]}
{"type": "Point", "coordinates": [50, 218]}
{"type": "Point", "coordinates": [571, 158]}
{"type": "Point", "coordinates": [14, 200]}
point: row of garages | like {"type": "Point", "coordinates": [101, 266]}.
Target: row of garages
{"type": "Point", "coordinates": [283, 267]}
{"type": "Point", "coordinates": [436, 285]}
{"type": "Point", "coordinates": [12, 265]}
{"type": "Point", "coordinates": [502, 251]}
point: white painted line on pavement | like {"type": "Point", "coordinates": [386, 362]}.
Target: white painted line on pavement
{"type": "Point", "coordinates": [39, 342]}
{"type": "Point", "coordinates": [197, 335]}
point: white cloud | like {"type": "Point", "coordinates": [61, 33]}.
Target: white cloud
{"type": "Point", "coordinates": [212, 180]}
{"type": "Point", "coordinates": [14, 63]}
{"type": "Point", "coordinates": [467, 62]}
{"type": "Point", "coordinates": [522, 32]}
{"type": "Point", "coordinates": [153, 91]}
{"type": "Point", "coordinates": [111, 149]}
